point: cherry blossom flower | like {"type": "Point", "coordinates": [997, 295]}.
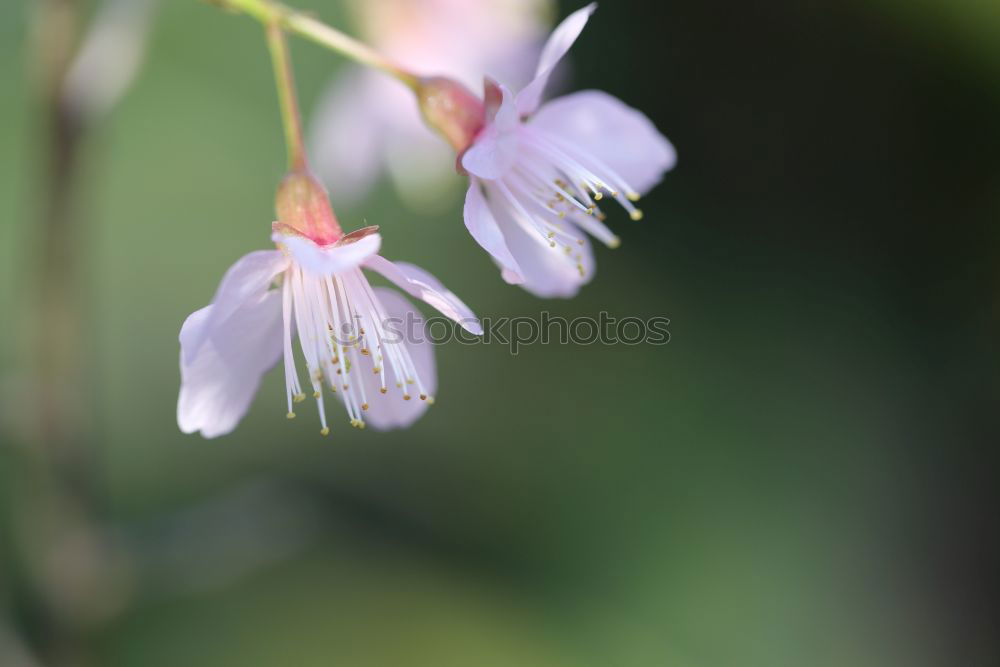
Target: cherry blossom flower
{"type": "Point", "coordinates": [312, 287]}
{"type": "Point", "coordinates": [365, 123]}
{"type": "Point", "coordinates": [537, 171]}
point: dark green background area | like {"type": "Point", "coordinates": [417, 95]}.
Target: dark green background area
{"type": "Point", "coordinates": [804, 475]}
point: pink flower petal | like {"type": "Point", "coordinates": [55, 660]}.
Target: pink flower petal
{"type": "Point", "coordinates": [560, 41]}
{"type": "Point", "coordinates": [246, 281]}
{"type": "Point", "coordinates": [495, 150]}
{"type": "Point", "coordinates": [492, 98]}
{"type": "Point", "coordinates": [391, 410]}
{"type": "Point", "coordinates": [330, 259]}
{"type": "Point", "coordinates": [483, 227]}
{"type": "Point", "coordinates": [422, 285]}
{"type": "Point", "coordinates": [223, 359]}
{"type": "Point", "coordinates": [546, 272]}
{"type": "Point", "coordinates": [619, 136]}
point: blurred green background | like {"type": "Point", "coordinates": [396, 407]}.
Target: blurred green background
{"type": "Point", "coordinates": [805, 475]}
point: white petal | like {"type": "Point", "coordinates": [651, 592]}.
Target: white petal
{"type": "Point", "coordinates": [330, 259]}
{"type": "Point", "coordinates": [560, 41]}
{"type": "Point", "coordinates": [220, 376]}
{"type": "Point", "coordinates": [247, 280]}
{"type": "Point", "coordinates": [480, 223]}
{"type": "Point", "coordinates": [422, 285]}
{"type": "Point", "coordinates": [495, 150]}
{"type": "Point", "coordinates": [390, 410]}
{"type": "Point", "coordinates": [511, 278]}
{"type": "Point", "coordinates": [547, 272]}
{"type": "Point", "coordinates": [619, 136]}
{"type": "Point", "coordinates": [501, 105]}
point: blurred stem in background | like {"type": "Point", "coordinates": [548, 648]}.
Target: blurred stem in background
{"type": "Point", "coordinates": [69, 560]}
{"type": "Point", "coordinates": [54, 500]}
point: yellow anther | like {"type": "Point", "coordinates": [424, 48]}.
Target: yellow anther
{"type": "Point", "coordinates": [562, 214]}
{"type": "Point", "coordinates": [365, 351]}
{"type": "Point", "coordinates": [579, 267]}
{"type": "Point", "coordinates": [290, 415]}
{"type": "Point", "coordinates": [636, 214]}
{"type": "Point", "coordinates": [598, 196]}
{"type": "Point", "coordinates": [316, 394]}
{"type": "Point", "coordinates": [430, 400]}
{"type": "Point", "coordinates": [406, 397]}
{"type": "Point", "coordinates": [614, 242]}
{"type": "Point", "coordinates": [383, 390]}
{"type": "Point", "coordinates": [364, 406]}
{"type": "Point", "coordinates": [632, 196]}
{"type": "Point", "coordinates": [376, 370]}
{"type": "Point", "coordinates": [590, 210]}
{"type": "Point", "coordinates": [298, 398]}
{"type": "Point", "coordinates": [552, 235]}
{"type": "Point", "coordinates": [325, 430]}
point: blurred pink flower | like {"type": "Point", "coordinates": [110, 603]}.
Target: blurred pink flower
{"type": "Point", "coordinates": [366, 122]}
{"type": "Point", "coordinates": [109, 57]}
{"type": "Point", "coordinates": [350, 334]}
{"type": "Point", "coordinates": [536, 173]}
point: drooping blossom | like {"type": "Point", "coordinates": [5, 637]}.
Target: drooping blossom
{"type": "Point", "coordinates": [356, 340]}
{"type": "Point", "coordinates": [366, 124]}
{"type": "Point", "coordinates": [537, 172]}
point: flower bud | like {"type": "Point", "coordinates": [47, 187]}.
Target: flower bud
{"type": "Point", "coordinates": [303, 206]}
{"type": "Point", "coordinates": [451, 109]}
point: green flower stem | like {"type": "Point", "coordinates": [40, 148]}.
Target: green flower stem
{"type": "Point", "coordinates": [290, 116]}
{"type": "Point", "coordinates": [299, 23]}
